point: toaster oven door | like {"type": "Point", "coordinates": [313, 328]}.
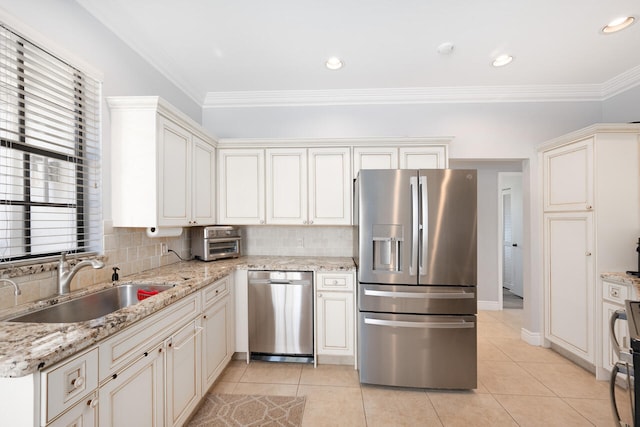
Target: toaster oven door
{"type": "Point", "coordinates": [221, 248]}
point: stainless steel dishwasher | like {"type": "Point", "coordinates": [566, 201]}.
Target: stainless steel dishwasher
{"type": "Point", "coordinates": [281, 315]}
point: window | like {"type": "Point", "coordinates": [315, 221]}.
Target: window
{"type": "Point", "coordinates": [49, 154]}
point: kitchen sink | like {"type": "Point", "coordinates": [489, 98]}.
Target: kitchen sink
{"type": "Point", "coordinates": [92, 306]}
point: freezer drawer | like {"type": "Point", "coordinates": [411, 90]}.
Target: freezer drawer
{"type": "Point", "coordinates": [418, 299]}
{"type": "Point", "coordinates": [423, 351]}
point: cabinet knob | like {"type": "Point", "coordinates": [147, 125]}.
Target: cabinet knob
{"type": "Point", "coordinates": [335, 282]}
{"type": "Point", "coordinates": [262, 221]}
{"type": "Point", "coordinates": [78, 382]}
{"type": "Point", "coordinates": [589, 207]}
{"type": "Point", "coordinates": [319, 295]}
{"type": "Point", "coordinates": [310, 222]}
{"type": "Point", "coordinates": [588, 254]}
{"type": "Point", "coordinates": [305, 222]}
{"type": "Point", "coordinates": [92, 403]}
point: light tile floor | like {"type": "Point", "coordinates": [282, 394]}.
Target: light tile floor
{"type": "Point", "coordinates": [518, 385]}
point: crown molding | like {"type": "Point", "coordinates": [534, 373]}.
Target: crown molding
{"type": "Point", "coordinates": [621, 83]}
{"type": "Point", "coordinates": [418, 95]}
{"type": "Point", "coordinates": [405, 141]}
{"type": "Point", "coordinates": [423, 95]}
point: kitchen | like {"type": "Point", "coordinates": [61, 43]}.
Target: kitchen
{"type": "Point", "coordinates": [481, 128]}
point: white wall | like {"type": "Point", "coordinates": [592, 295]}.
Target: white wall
{"type": "Point", "coordinates": [66, 29]}
{"type": "Point", "coordinates": [622, 108]}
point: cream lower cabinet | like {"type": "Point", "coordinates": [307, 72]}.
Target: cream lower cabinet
{"type": "Point", "coordinates": [569, 282]}
{"type": "Point", "coordinates": [590, 202]}
{"type": "Point", "coordinates": [83, 414]}
{"type": "Point", "coordinates": [218, 337]}
{"type": "Point", "coordinates": [183, 377]}
{"type": "Point", "coordinates": [335, 316]}
{"type": "Point", "coordinates": [151, 374]}
{"type": "Point", "coordinates": [135, 396]}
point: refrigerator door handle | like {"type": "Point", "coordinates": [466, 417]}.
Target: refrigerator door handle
{"type": "Point", "coordinates": [421, 295]}
{"type": "Point", "coordinates": [424, 224]}
{"type": "Point", "coordinates": [413, 267]}
{"type": "Point", "coordinates": [462, 324]}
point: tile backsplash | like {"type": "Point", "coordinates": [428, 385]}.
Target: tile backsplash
{"type": "Point", "coordinates": [298, 240]}
{"type": "Point", "coordinates": [129, 249]}
{"type": "Point", "coordinates": [132, 251]}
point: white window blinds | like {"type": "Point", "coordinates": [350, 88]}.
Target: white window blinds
{"type": "Point", "coordinates": [49, 154]}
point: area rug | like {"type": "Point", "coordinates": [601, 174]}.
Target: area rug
{"type": "Point", "coordinates": [249, 410]}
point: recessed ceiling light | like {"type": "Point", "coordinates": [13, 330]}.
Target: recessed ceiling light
{"type": "Point", "coordinates": [334, 63]}
{"type": "Point", "coordinates": [618, 24]}
{"type": "Point", "coordinates": [502, 60]}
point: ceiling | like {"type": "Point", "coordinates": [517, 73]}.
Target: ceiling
{"type": "Point", "coordinates": [213, 48]}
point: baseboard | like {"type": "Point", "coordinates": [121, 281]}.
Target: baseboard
{"type": "Point", "coordinates": [489, 305]}
{"type": "Point", "coordinates": [532, 338]}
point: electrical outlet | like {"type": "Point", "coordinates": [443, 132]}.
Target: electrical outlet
{"type": "Point", "coordinates": [163, 249]}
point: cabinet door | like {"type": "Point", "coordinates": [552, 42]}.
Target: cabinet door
{"type": "Point", "coordinates": [335, 323]}
{"type": "Point", "coordinates": [569, 282]}
{"type": "Point", "coordinates": [374, 158]}
{"type": "Point", "coordinates": [215, 341]}
{"type": "Point", "coordinates": [241, 186]}
{"type": "Point", "coordinates": [83, 414]}
{"type": "Point", "coordinates": [568, 177]}
{"type": "Point", "coordinates": [330, 186]}
{"type": "Point", "coordinates": [203, 183]}
{"type": "Point", "coordinates": [286, 186]}
{"type": "Point", "coordinates": [174, 178]}
{"type": "Point", "coordinates": [423, 157]}
{"type": "Point", "coordinates": [135, 396]}
{"type": "Point", "coordinates": [183, 375]}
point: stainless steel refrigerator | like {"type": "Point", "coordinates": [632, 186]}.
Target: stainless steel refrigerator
{"type": "Point", "coordinates": [415, 249]}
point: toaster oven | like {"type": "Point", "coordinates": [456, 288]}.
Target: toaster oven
{"type": "Point", "coordinates": [215, 242]}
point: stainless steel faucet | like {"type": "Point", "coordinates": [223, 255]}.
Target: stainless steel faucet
{"type": "Point", "coordinates": [15, 286]}
{"type": "Point", "coordinates": [66, 275]}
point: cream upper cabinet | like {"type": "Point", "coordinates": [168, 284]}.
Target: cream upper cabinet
{"type": "Point", "coordinates": [241, 186]}
{"type": "Point", "coordinates": [568, 177]}
{"type": "Point", "coordinates": [374, 158]}
{"type": "Point", "coordinates": [590, 204]}
{"type": "Point", "coordinates": [330, 186]}
{"type": "Point", "coordinates": [286, 186]}
{"type": "Point", "coordinates": [300, 186]}
{"type": "Point", "coordinates": [430, 157]}
{"type": "Point", "coordinates": [403, 157]}
{"type": "Point", "coordinates": [174, 198]}
{"type": "Point", "coordinates": [159, 158]}
{"type": "Point", "coordinates": [204, 178]}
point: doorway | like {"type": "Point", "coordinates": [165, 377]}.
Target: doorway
{"type": "Point", "coordinates": [511, 233]}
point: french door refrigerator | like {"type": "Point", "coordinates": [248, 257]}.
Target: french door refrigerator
{"type": "Point", "coordinates": [415, 249]}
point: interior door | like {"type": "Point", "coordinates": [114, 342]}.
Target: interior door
{"type": "Point", "coordinates": [507, 241]}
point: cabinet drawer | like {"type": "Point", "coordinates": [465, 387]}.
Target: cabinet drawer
{"type": "Point", "coordinates": [335, 282]}
{"type": "Point", "coordinates": [215, 291]}
{"type": "Point", "coordinates": [615, 292]}
{"type": "Point", "coordinates": [65, 384]}
{"type": "Point", "coordinates": [130, 344]}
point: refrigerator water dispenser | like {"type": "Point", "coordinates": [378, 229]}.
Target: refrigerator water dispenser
{"type": "Point", "coordinates": [387, 247]}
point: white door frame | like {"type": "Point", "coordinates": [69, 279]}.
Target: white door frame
{"type": "Point", "coordinates": [501, 176]}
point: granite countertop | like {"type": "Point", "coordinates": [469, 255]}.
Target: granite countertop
{"type": "Point", "coordinates": [625, 278]}
{"type": "Point", "coordinates": [28, 347]}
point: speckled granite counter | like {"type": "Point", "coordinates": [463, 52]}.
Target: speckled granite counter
{"type": "Point", "coordinates": [27, 347]}
{"type": "Point", "coordinates": [623, 278]}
